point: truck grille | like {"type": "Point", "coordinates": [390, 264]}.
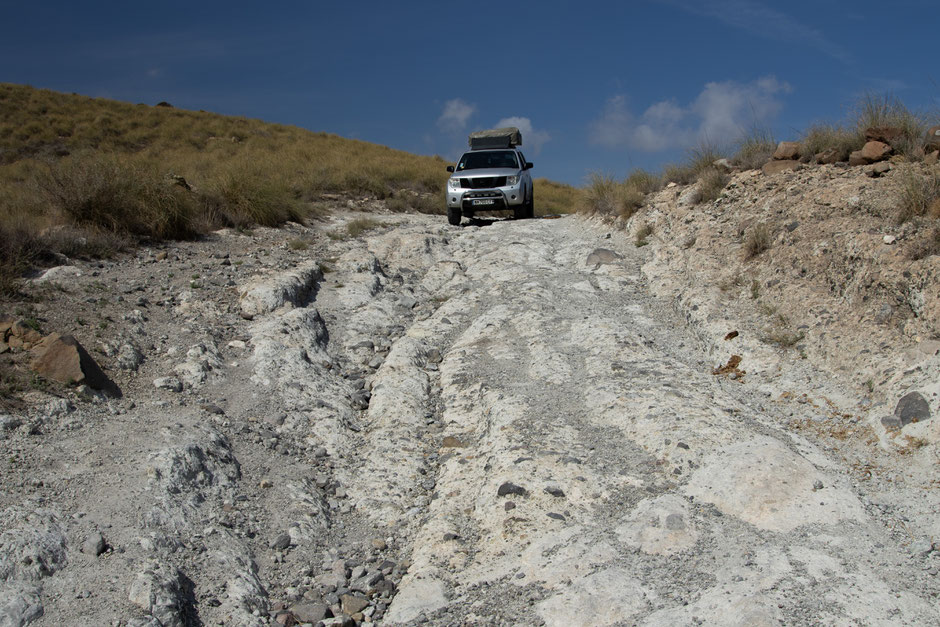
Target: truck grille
{"type": "Point", "coordinates": [482, 182]}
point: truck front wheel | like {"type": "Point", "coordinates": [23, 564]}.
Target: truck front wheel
{"type": "Point", "coordinates": [453, 216]}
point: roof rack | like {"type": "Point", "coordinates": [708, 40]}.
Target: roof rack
{"type": "Point", "coordinates": [507, 137]}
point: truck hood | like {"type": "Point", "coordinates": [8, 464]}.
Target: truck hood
{"type": "Point", "coordinates": [470, 174]}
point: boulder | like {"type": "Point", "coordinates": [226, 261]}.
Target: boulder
{"type": "Point", "coordinates": [932, 158]}
{"type": "Point", "coordinates": [61, 358]}
{"type": "Point", "coordinates": [787, 151]}
{"type": "Point", "coordinates": [775, 167]}
{"type": "Point", "coordinates": [883, 134]}
{"type": "Point", "coordinates": [912, 407]}
{"type": "Point", "coordinates": [871, 152]}
{"type": "Point", "coordinates": [830, 156]}
{"type": "Point", "coordinates": [932, 139]}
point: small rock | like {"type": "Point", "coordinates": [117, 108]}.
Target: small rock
{"type": "Point", "coordinates": [94, 545]}
{"type": "Point", "coordinates": [448, 537]}
{"type": "Point", "coordinates": [555, 516]}
{"type": "Point", "coordinates": [879, 169]}
{"type": "Point", "coordinates": [61, 358]}
{"type": "Point", "coordinates": [912, 407]}
{"type": "Point", "coordinates": [379, 544]}
{"type": "Point", "coordinates": [212, 409]}
{"type": "Point", "coordinates": [818, 485]}
{"type": "Point", "coordinates": [889, 239]}
{"type": "Point", "coordinates": [281, 543]}
{"type": "Point", "coordinates": [776, 167]}
{"type": "Point", "coordinates": [787, 151]}
{"type": "Point", "coordinates": [311, 612]}
{"type": "Point", "coordinates": [509, 506]}
{"type": "Point", "coordinates": [830, 156]}
{"type": "Point", "coordinates": [168, 383]}
{"type": "Point", "coordinates": [434, 356]}
{"type": "Point", "coordinates": [452, 442]}
{"type": "Point", "coordinates": [922, 547]}
{"type": "Point", "coordinates": [555, 491]}
{"type": "Point", "coordinates": [510, 488]}
{"type": "Point", "coordinates": [352, 604]}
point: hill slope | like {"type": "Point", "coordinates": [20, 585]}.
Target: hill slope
{"type": "Point", "coordinates": [101, 174]}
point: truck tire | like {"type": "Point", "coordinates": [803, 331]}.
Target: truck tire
{"type": "Point", "coordinates": [525, 210]}
{"type": "Point", "coordinates": [453, 216]}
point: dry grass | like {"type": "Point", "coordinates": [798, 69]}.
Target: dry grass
{"type": "Point", "coordinates": [644, 181]}
{"type": "Point", "coordinates": [642, 233]}
{"type": "Point", "coordinates": [711, 183]}
{"type": "Point", "coordinates": [357, 227]}
{"type": "Point", "coordinates": [755, 149]}
{"type": "Point", "coordinates": [888, 111]}
{"type": "Point", "coordinates": [758, 239]}
{"type": "Point", "coordinates": [821, 137]}
{"type": "Point", "coordinates": [552, 197]}
{"type": "Point", "coordinates": [607, 196]}
{"type": "Point", "coordinates": [919, 195]}
{"type": "Point", "coordinates": [85, 176]}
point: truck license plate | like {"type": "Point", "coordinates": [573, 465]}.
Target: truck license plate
{"type": "Point", "coordinates": [484, 202]}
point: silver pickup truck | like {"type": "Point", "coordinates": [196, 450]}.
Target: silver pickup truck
{"type": "Point", "coordinates": [492, 176]}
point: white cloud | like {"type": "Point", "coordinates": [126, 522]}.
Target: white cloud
{"type": "Point", "coordinates": [758, 19]}
{"type": "Point", "coordinates": [530, 137]}
{"type": "Point", "coordinates": [455, 115]}
{"type": "Point", "coordinates": [721, 113]}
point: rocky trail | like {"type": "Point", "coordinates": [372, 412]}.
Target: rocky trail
{"type": "Point", "coordinates": [505, 423]}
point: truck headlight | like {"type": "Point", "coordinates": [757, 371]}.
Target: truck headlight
{"type": "Point", "coordinates": [512, 180]}
{"type": "Point", "coordinates": [453, 183]}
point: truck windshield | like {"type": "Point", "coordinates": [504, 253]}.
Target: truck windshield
{"type": "Point", "coordinates": [488, 159]}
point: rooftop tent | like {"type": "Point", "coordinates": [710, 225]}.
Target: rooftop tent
{"type": "Point", "coordinates": [496, 138]}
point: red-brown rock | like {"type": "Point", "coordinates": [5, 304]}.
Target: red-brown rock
{"type": "Point", "coordinates": [61, 358]}
{"type": "Point", "coordinates": [775, 167]}
{"type": "Point", "coordinates": [871, 152]}
{"type": "Point", "coordinates": [787, 151]}
{"type": "Point", "coordinates": [883, 134]}
{"type": "Point", "coordinates": [830, 156]}
{"type": "Point", "coordinates": [932, 140]}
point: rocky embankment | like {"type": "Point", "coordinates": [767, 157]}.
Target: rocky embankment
{"type": "Point", "coordinates": [516, 422]}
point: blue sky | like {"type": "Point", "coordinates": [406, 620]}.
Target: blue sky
{"type": "Point", "coordinates": [595, 86]}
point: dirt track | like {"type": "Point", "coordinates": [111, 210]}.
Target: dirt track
{"type": "Point", "coordinates": [502, 423]}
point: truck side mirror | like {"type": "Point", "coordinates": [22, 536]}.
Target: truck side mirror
{"type": "Point", "coordinates": [450, 168]}
{"type": "Point", "coordinates": [529, 165]}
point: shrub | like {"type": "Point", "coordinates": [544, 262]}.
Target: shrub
{"type": "Point", "coordinates": [607, 196]}
{"type": "Point", "coordinates": [757, 240]}
{"type": "Point", "coordinates": [642, 233]}
{"type": "Point", "coordinates": [919, 195]}
{"type": "Point", "coordinates": [357, 227]}
{"type": "Point", "coordinates": [105, 192]}
{"type": "Point", "coordinates": [755, 149]}
{"type": "Point", "coordinates": [884, 110]}
{"type": "Point", "coordinates": [820, 137]}
{"type": "Point", "coordinates": [699, 159]}
{"type": "Point", "coordinates": [711, 182]}
{"type": "Point", "coordinates": [645, 182]}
